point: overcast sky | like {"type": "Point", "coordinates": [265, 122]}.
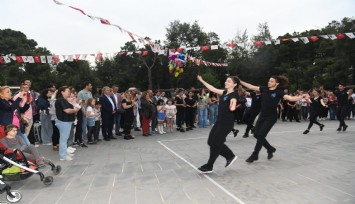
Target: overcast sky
{"type": "Point", "coordinates": [65, 31]}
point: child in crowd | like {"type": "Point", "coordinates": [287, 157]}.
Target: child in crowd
{"type": "Point", "coordinates": [170, 115]}
{"type": "Point", "coordinates": [12, 141]}
{"type": "Point", "coordinates": [90, 116]}
{"type": "Point", "coordinates": [161, 116]}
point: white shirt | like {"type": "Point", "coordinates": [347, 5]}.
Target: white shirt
{"type": "Point", "coordinates": [170, 110]}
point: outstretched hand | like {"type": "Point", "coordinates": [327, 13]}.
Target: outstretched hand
{"type": "Point", "coordinates": [199, 77]}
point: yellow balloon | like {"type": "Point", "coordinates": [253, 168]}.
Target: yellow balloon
{"type": "Point", "coordinates": [171, 67]}
{"type": "Point", "coordinates": [176, 74]}
{"type": "Point", "coordinates": [181, 70]}
{"type": "Point", "coordinates": [177, 68]}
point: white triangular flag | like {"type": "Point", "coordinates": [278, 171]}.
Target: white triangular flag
{"type": "Point", "coordinates": [30, 59]}
{"type": "Point", "coordinates": [196, 48]}
{"type": "Point", "coordinates": [295, 39]}
{"type": "Point", "coordinates": [13, 57]}
{"type": "Point", "coordinates": [129, 53]}
{"type": "Point", "coordinates": [25, 59]}
{"type": "Point", "coordinates": [324, 36]}
{"type": "Point", "coordinates": [242, 45]}
{"type": "Point", "coordinates": [188, 48]}
{"type": "Point", "coordinates": [214, 47]}
{"type": "Point", "coordinates": [6, 59]}
{"type": "Point", "coordinates": [50, 59]}
{"type": "Point", "coordinates": [162, 52]}
{"type": "Point", "coordinates": [268, 42]}
{"type": "Point", "coordinates": [43, 59]}
{"type": "Point", "coordinates": [277, 42]}
{"type": "Point", "coordinates": [350, 35]}
{"type": "Point", "coordinates": [333, 37]}
{"type": "Point", "coordinates": [70, 58]}
{"type": "Point", "coordinates": [304, 40]}
{"type": "Point", "coordinates": [83, 57]}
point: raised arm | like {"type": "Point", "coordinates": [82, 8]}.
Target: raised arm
{"type": "Point", "coordinates": [295, 98]}
{"type": "Point", "coordinates": [249, 86]}
{"type": "Point", "coordinates": [209, 86]}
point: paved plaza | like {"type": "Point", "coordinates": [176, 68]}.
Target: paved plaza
{"type": "Point", "coordinates": [315, 168]}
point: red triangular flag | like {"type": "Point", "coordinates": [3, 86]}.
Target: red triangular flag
{"type": "Point", "coordinates": [314, 38]}
{"type": "Point", "coordinates": [1, 60]}
{"type": "Point", "coordinates": [259, 43]}
{"type": "Point", "coordinates": [37, 59]}
{"type": "Point", "coordinates": [340, 35]}
{"type": "Point", "coordinates": [121, 53]}
{"type": "Point", "coordinates": [131, 35]}
{"type": "Point", "coordinates": [98, 57]}
{"type": "Point", "coordinates": [231, 45]}
{"type": "Point", "coordinates": [144, 53]}
{"type": "Point", "coordinates": [19, 59]}
{"type": "Point", "coordinates": [78, 10]}
{"type": "Point", "coordinates": [105, 21]}
{"type": "Point", "coordinates": [284, 40]}
{"type": "Point", "coordinates": [77, 56]}
{"type": "Point", "coordinates": [179, 50]}
{"type": "Point", "coordinates": [203, 48]}
{"type": "Point", "coordinates": [56, 59]}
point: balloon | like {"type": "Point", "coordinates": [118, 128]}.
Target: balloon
{"type": "Point", "coordinates": [175, 65]}
{"type": "Point", "coordinates": [171, 67]}
{"type": "Point", "coordinates": [181, 70]}
{"type": "Point", "coordinates": [181, 56]}
{"type": "Point", "coordinates": [172, 57]}
{"type": "Point", "coordinates": [177, 68]}
{"type": "Point", "coordinates": [176, 74]}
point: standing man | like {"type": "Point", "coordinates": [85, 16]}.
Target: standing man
{"type": "Point", "coordinates": [108, 111]}
{"type": "Point", "coordinates": [84, 95]}
{"type": "Point", "coordinates": [52, 88]}
{"type": "Point", "coordinates": [119, 111]}
{"type": "Point", "coordinates": [343, 106]}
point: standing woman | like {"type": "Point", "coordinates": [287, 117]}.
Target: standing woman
{"type": "Point", "coordinates": [55, 135]}
{"type": "Point", "coordinates": [147, 112]}
{"type": "Point", "coordinates": [202, 109]}
{"type": "Point", "coordinates": [271, 96]}
{"type": "Point", "coordinates": [128, 104]}
{"type": "Point", "coordinates": [213, 107]}
{"type": "Point", "coordinates": [10, 111]}
{"type": "Point", "coordinates": [190, 113]}
{"type": "Point", "coordinates": [65, 112]}
{"type": "Point", "coordinates": [224, 123]}
{"type": "Point", "coordinates": [317, 105]}
{"type": "Point", "coordinates": [43, 106]}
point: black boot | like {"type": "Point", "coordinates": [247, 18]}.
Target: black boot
{"type": "Point", "coordinates": [252, 158]}
{"type": "Point", "coordinates": [306, 131]}
{"type": "Point", "coordinates": [235, 132]}
{"type": "Point", "coordinates": [270, 153]}
{"type": "Point", "coordinates": [321, 126]}
{"type": "Point", "coordinates": [245, 135]}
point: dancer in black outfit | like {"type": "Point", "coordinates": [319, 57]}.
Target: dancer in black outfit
{"type": "Point", "coordinates": [223, 125]}
{"type": "Point", "coordinates": [317, 105]}
{"type": "Point", "coordinates": [254, 111]}
{"type": "Point", "coordinates": [270, 98]}
{"type": "Point", "coordinates": [343, 106]}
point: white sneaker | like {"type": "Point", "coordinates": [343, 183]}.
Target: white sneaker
{"type": "Point", "coordinates": [72, 148]}
{"type": "Point", "coordinates": [67, 158]}
{"type": "Point", "coordinates": [164, 132]}
{"type": "Point", "coordinates": [47, 144]}
{"type": "Point", "coordinates": [69, 151]}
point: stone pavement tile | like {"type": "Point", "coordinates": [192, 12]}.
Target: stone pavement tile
{"type": "Point", "coordinates": [80, 182]}
{"type": "Point", "coordinates": [150, 166]}
{"type": "Point", "coordinates": [75, 170]}
{"type": "Point", "coordinates": [187, 174]}
{"type": "Point", "coordinates": [148, 194]}
{"type": "Point", "coordinates": [199, 193]}
{"type": "Point", "coordinates": [167, 176]}
{"type": "Point", "coordinates": [112, 168]}
{"type": "Point", "coordinates": [98, 195]}
{"type": "Point", "coordinates": [123, 195]}
{"type": "Point", "coordinates": [173, 193]}
{"type": "Point", "coordinates": [124, 179]}
{"type": "Point", "coordinates": [146, 179]}
{"type": "Point", "coordinates": [47, 196]}
{"type": "Point", "coordinates": [102, 181]}
{"type": "Point", "coordinates": [73, 196]}
{"type": "Point", "coordinates": [168, 164]}
{"type": "Point", "coordinates": [133, 167]}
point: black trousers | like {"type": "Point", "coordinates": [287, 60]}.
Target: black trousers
{"type": "Point", "coordinates": [189, 116]}
{"type": "Point", "coordinates": [55, 135]}
{"type": "Point", "coordinates": [313, 119]}
{"type": "Point", "coordinates": [97, 129]}
{"type": "Point", "coordinates": [342, 112]}
{"type": "Point", "coordinates": [253, 114]}
{"type": "Point", "coordinates": [216, 141]}
{"type": "Point", "coordinates": [79, 131]}
{"type": "Point", "coordinates": [284, 113]}
{"type": "Point", "coordinates": [107, 126]}
{"type": "Point", "coordinates": [262, 128]}
{"type": "Point", "coordinates": [180, 116]}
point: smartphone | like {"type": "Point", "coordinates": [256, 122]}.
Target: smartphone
{"type": "Point", "coordinates": [28, 96]}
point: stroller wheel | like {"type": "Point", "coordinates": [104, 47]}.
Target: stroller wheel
{"type": "Point", "coordinates": [17, 197]}
{"type": "Point", "coordinates": [57, 170]}
{"type": "Point", "coordinates": [48, 180]}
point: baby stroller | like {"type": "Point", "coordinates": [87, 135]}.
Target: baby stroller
{"type": "Point", "coordinates": [11, 196]}
{"type": "Point", "coordinates": [16, 167]}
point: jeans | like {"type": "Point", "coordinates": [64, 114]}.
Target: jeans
{"type": "Point", "coordinates": [23, 137]}
{"type": "Point", "coordinates": [84, 134]}
{"type": "Point", "coordinates": [305, 112]}
{"type": "Point", "coordinates": [46, 128]}
{"type": "Point", "coordinates": [332, 113]}
{"type": "Point", "coordinates": [64, 130]}
{"type": "Point", "coordinates": [202, 117]}
{"type": "Point", "coordinates": [118, 117]}
{"type": "Point", "coordinates": [213, 114]}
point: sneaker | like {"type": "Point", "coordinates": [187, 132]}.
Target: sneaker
{"type": "Point", "coordinates": [339, 129]}
{"type": "Point", "coordinates": [69, 151]}
{"type": "Point", "coordinates": [253, 157]}
{"type": "Point", "coordinates": [344, 127]}
{"type": "Point", "coordinates": [245, 135]}
{"type": "Point", "coordinates": [47, 144]}
{"type": "Point", "coordinates": [235, 132]}
{"type": "Point", "coordinates": [321, 127]}
{"type": "Point", "coordinates": [204, 170]}
{"type": "Point", "coordinates": [36, 145]}
{"type": "Point", "coordinates": [137, 129]}
{"type": "Point", "coordinates": [72, 148]}
{"type": "Point", "coordinates": [83, 145]}
{"type": "Point", "coordinates": [67, 158]}
{"type": "Point", "coordinates": [92, 142]}
{"type": "Point", "coordinates": [252, 130]}
{"type": "Point", "coordinates": [182, 130]}
{"type": "Point", "coordinates": [306, 131]}
{"type": "Point", "coordinates": [270, 154]}
{"type": "Point", "coordinates": [231, 161]}
{"type": "Point", "coordinates": [75, 144]}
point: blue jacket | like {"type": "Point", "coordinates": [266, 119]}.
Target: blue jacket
{"type": "Point", "coordinates": [7, 110]}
